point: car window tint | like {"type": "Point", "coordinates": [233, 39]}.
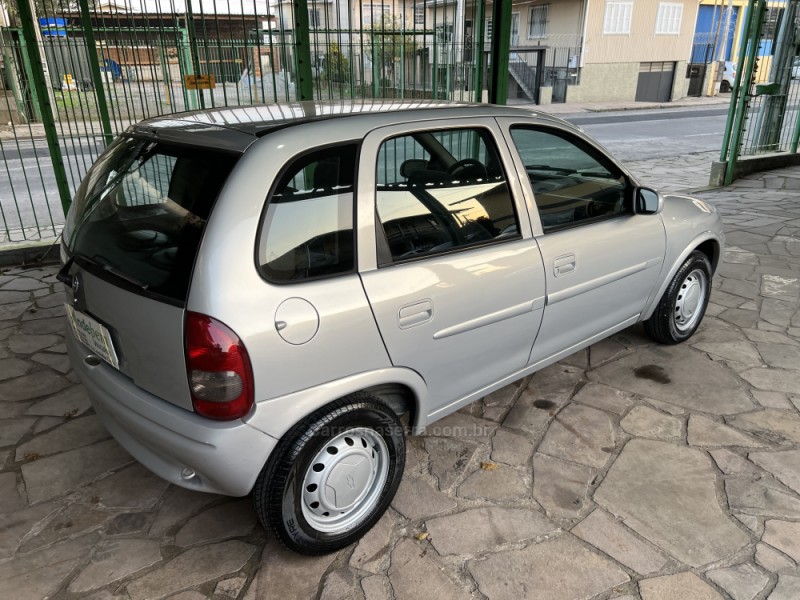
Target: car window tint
{"type": "Point", "coordinates": [572, 183]}
{"type": "Point", "coordinates": [450, 194]}
{"type": "Point", "coordinates": [308, 227]}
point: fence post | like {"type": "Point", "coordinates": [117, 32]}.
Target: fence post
{"type": "Point", "coordinates": [40, 85]}
{"type": "Point", "coordinates": [501, 46]}
{"type": "Point", "coordinates": [479, 48]}
{"type": "Point", "coordinates": [94, 64]}
{"type": "Point", "coordinates": [302, 51]}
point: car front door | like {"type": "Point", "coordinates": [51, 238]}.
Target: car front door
{"type": "Point", "coordinates": [601, 259]}
{"type": "Point", "coordinates": [447, 257]}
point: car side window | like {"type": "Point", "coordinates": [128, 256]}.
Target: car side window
{"type": "Point", "coordinates": [572, 183]}
{"type": "Point", "coordinates": [307, 231]}
{"type": "Point", "coordinates": [440, 191]}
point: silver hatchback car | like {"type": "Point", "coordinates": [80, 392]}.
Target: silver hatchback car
{"type": "Point", "coordinates": [265, 299]}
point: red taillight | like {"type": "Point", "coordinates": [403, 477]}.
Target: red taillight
{"type": "Point", "coordinates": [219, 370]}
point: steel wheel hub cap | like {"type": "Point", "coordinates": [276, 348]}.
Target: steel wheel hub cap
{"type": "Point", "coordinates": [689, 302]}
{"type": "Point", "coordinates": [345, 479]}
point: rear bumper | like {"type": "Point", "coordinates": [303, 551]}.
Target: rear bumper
{"type": "Point", "coordinates": [226, 457]}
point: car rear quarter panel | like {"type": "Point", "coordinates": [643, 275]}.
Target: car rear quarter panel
{"type": "Point", "coordinates": [689, 222]}
{"type": "Point", "coordinates": [227, 285]}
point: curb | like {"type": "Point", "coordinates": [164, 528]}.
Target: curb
{"type": "Point", "coordinates": [32, 254]}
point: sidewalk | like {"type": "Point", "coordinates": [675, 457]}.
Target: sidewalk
{"type": "Point", "coordinates": [723, 100]}
{"type": "Point", "coordinates": [627, 471]}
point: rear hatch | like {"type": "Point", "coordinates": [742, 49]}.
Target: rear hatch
{"type": "Point", "coordinates": [131, 240]}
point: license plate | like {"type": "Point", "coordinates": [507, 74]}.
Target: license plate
{"type": "Point", "coordinates": [93, 335]}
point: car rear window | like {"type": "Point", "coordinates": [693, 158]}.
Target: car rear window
{"type": "Point", "coordinates": [140, 212]}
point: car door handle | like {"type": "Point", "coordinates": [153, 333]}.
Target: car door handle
{"type": "Point", "coordinates": [415, 314]}
{"type": "Point", "coordinates": [563, 265]}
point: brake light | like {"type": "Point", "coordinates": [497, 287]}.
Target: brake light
{"type": "Point", "coordinates": [218, 368]}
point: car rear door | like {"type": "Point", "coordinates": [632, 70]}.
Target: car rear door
{"type": "Point", "coordinates": [446, 256]}
{"type": "Point", "coordinates": [601, 260]}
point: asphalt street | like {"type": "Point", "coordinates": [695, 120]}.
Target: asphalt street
{"type": "Point", "coordinates": [628, 135]}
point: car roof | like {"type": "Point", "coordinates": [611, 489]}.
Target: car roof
{"type": "Point", "coordinates": [235, 128]}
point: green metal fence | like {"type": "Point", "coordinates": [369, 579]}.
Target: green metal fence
{"type": "Point", "coordinates": [75, 73]}
{"type": "Point", "coordinates": [764, 117]}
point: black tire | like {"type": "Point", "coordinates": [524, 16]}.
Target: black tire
{"type": "Point", "coordinates": [279, 497]}
{"type": "Point", "coordinates": [664, 325]}
{"type": "Point", "coordinates": [724, 87]}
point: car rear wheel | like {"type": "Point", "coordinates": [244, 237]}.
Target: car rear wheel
{"type": "Point", "coordinates": [332, 476]}
{"type": "Point", "coordinates": [724, 87]}
{"type": "Point", "coordinates": [681, 308]}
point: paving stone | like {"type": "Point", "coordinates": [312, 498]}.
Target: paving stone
{"type": "Point", "coordinates": [449, 459]}
{"type": "Point", "coordinates": [72, 434]}
{"type": "Point", "coordinates": [742, 352]}
{"type": "Point", "coordinates": [23, 284]}
{"type": "Point", "coordinates": [13, 310]}
{"type": "Point", "coordinates": [377, 587]}
{"type": "Point", "coordinates": [561, 488]}
{"type": "Point", "coordinates": [772, 400]}
{"type": "Point", "coordinates": [413, 575]}
{"type": "Point", "coordinates": [341, 584]}
{"type": "Point", "coordinates": [775, 286]}
{"type": "Point", "coordinates": [13, 367]}
{"type": "Point", "coordinates": [10, 498]}
{"type": "Point", "coordinates": [772, 560]}
{"type": "Point", "coordinates": [768, 337]}
{"type": "Point", "coordinates": [38, 575]}
{"type": "Point", "coordinates": [230, 588]}
{"type": "Point", "coordinates": [751, 522]}
{"type": "Point", "coordinates": [462, 426]}
{"type": "Point", "coordinates": [683, 586]}
{"type": "Point", "coordinates": [52, 300]}
{"type": "Point", "coordinates": [510, 448]}
{"type": "Point", "coordinates": [742, 582]}
{"type": "Point", "coordinates": [132, 487]}
{"type": "Point", "coordinates": [724, 298]}
{"type": "Point", "coordinates": [716, 331]}
{"type": "Point", "coordinates": [11, 297]}
{"type": "Point", "coordinates": [755, 497]}
{"type": "Point", "coordinates": [788, 588]}
{"type": "Point", "coordinates": [44, 313]}
{"type": "Point", "coordinates": [502, 397]}
{"type": "Point", "coordinates": [29, 344]}
{"type": "Point", "coordinates": [673, 374]}
{"type": "Point", "coordinates": [72, 520]}
{"type": "Point", "coordinates": [667, 494]}
{"type": "Point", "coordinates": [18, 524]}
{"type": "Point", "coordinates": [548, 390]}
{"type": "Point", "coordinates": [534, 572]}
{"type": "Point", "coordinates": [192, 568]}
{"type": "Point", "coordinates": [59, 362]}
{"type": "Point", "coordinates": [372, 550]}
{"type": "Point", "coordinates": [42, 326]}
{"type": "Point", "coordinates": [55, 475]}
{"type": "Point", "coordinates": [707, 433]}
{"type": "Point", "coordinates": [785, 466]}
{"type": "Point", "coordinates": [777, 312]}
{"type": "Point", "coordinates": [416, 499]}
{"type": "Point", "coordinates": [783, 535]}
{"type": "Point", "coordinates": [296, 577]}
{"type": "Point", "coordinates": [128, 523]}
{"type": "Point", "coordinates": [499, 484]}
{"type": "Point", "coordinates": [179, 504]}
{"type": "Point", "coordinates": [114, 560]}
{"type": "Point", "coordinates": [740, 317]}
{"type": "Point", "coordinates": [13, 430]}
{"type": "Point", "coordinates": [580, 434]}
{"type": "Point", "coordinates": [33, 385]}
{"type": "Point", "coordinates": [609, 535]}
{"type": "Point", "coordinates": [780, 356]}
{"type": "Point", "coordinates": [47, 423]}
{"type": "Point", "coordinates": [770, 424]}
{"type": "Point", "coordinates": [605, 350]}
{"type": "Point", "coordinates": [605, 398]}
{"type": "Point", "coordinates": [73, 401]}
{"type": "Point", "coordinates": [230, 520]}
{"type": "Point", "coordinates": [643, 421]}
{"type": "Point", "coordinates": [482, 529]}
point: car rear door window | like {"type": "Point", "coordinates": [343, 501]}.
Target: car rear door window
{"type": "Point", "coordinates": [441, 191]}
{"type": "Point", "coordinates": [307, 231]}
{"type": "Point", "coordinates": [572, 182]}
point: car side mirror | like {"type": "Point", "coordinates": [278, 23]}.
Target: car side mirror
{"type": "Point", "coordinates": [648, 202]}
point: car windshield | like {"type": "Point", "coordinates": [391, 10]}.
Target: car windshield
{"type": "Point", "coordinates": [140, 213]}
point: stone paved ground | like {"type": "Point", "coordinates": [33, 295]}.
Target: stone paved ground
{"type": "Point", "coordinates": [629, 470]}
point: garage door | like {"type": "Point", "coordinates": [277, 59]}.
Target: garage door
{"type": "Point", "coordinates": [655, 81]}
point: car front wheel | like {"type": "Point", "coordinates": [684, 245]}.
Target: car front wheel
{"type": "Point", "coordinates": [681, 308]}
{"type": "Point", "coordinates": [332, 476]}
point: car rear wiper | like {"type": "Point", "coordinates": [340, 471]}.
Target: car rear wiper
{"type": "Point", "coordinates": [99, 263]}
